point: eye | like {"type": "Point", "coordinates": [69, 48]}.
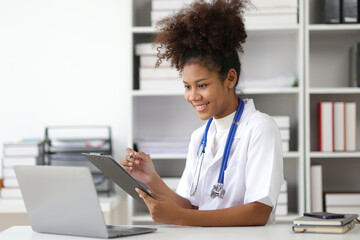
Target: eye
{"type": "Point", "coordinates": [202, 85]}
{"type": "Point", "coordinates": [186, 86]}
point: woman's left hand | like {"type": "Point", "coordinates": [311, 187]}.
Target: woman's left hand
{"type": "Point", "coordinates": [162, 209]}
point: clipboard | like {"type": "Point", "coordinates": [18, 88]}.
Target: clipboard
{"type": "Point", "coordinates": [113, 170]}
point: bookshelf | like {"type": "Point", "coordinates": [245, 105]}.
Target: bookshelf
{"type": "Point", "coordinates": [327, 79]}
{"type": "Point", "coordinates": [152, 113]}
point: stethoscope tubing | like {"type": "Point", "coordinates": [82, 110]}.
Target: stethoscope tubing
{"type": "Point", "coordinates": [229, 140]}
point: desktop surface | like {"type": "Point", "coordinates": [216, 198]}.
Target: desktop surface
{"type": "Point", "coordinates": [269, 232]}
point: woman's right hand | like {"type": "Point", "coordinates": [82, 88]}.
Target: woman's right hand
{"type": "Point", "coordinates": [139, 165]}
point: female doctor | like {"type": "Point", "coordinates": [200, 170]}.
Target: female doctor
{"type": "Point", "coordinates": [234, 170]}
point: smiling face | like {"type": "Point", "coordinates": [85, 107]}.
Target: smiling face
{"type": "Point", "coordinates": [205, 91]}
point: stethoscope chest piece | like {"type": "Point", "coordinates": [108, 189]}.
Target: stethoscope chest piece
{"type": "Point", "coordinates": [217, 191]}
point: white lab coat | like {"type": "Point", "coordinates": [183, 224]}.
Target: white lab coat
{"type": "Point", "coordinates": [255, 166]}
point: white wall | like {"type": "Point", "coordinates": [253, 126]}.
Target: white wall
{"type": "Point", "coordinates": [64, 62]}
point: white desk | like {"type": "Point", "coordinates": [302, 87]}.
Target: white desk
{"type": "Point", "coordinates": [275, 232]}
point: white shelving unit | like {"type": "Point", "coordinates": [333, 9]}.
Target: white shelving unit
{"type": "Point", "coordinates": [269, 51]}
{"type": "Point", "coordinates": [327, 79]}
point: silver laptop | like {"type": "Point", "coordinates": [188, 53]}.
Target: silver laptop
{"type": "Point", "coordinates": [63, 200]}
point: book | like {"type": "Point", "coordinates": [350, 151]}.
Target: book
{"type": "Point", "coordinates": [169, 85]}
{"type": "Point", "coordinates": [271, 11]}
{"type": "Point", "coordinates": [283, 122]}
{"type": "Point", "coordinates": [158, 73]}
{"type": "Point", "coordinates": [271, 19]}
{"type": "Point", "coordinates": [273, 82]}
{"type": "Point", "coordinates": [10, 183]}
{"type": "Point", "coordinates": [313, 221]}
{"type": "Point", "coordinates": [324, 229]}
{"type": "Point", "coordinates": [177, 4]}
{"type": "Point", "coordinates": [10, 193]}
{"type": "Point", "coordinates": [150, 61]}
{"type": "Point", "coordinates": [21, 149]}
{"type": "Point", "coordinates": [274, 3]}
{"type": "Point", "coordinates": [285, 146]}
{"type": "Point", "coordinates": [339, 126]}
{"type": "Point", "coordinates": [284, 187]}
{"type": "Point", "coordinates": [169, 4]}
{"type": "Point", "coordinates": [281, 209]}
{"type": "Point", "coordinates": [332, 11]}
{"type": "Point", "coordinates": [12, 161]}
{"type": "Point", "coordinates": [316, 188]}
{"type": "Point", "coordinates": [350, 126]}
{"type": "Point", "coordinates": [354, 75]}
{"type": "Point", "coordinates": [349, 12]}
{"type": "Point", "coordinates": [342, 199]}
{"type": "Point", "coordinates": [283, 198]}
{"type": "Point", "coordinates": [145, 49]}
{"type": "Point", "coordinates": [325, 126]}
{"type": "Point", "coordinates": [285, 134]}
{"type": "Point", "coordinates": [9, 173]}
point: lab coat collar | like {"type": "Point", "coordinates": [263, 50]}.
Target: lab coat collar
{"type": "Point", "coordinates": [248, 110]}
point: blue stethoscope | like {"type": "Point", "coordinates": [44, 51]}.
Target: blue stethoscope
{"type": "Point", "coordinates": [217, 190]}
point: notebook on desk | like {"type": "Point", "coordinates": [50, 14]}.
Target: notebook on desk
{"type": "Point", "coordinates": [63, 200]}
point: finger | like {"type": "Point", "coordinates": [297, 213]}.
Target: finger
{"type": "Point", "coordinates": [147, 199]}
{"type": "Point", "coordinates": [141, 156]}
{"type": "Point", "coordinates": [129, 150]}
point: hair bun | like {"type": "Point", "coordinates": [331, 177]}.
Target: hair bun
{"type": "Point", "coordinates": [210, 26]}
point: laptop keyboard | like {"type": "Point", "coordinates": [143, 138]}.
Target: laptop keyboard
{"type": "Point", "coordinates": [118, 231]}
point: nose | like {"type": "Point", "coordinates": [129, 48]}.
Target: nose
{"type": "Point", "coordinates": [192, 95]}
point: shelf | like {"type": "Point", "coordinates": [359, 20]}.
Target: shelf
{"type": "Point", "coordinates": [333, 27]}
{"type": "Point", "coordinates": [183, 156]}
{"type": "Point", "coordinates": [290, 90]}
{"type": "Point", "coordinates": [291, 154]}
{"type": "Point", "coordinates": [344, 90]}
{"type": "Point", "coordinates": [335, 154]}
{"type": "Point", "coordinates": [264, 28]}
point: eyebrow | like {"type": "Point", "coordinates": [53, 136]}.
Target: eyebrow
{"type": "Point", "coordinates": [197, 81]}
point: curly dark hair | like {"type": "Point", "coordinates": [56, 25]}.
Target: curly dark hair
{"type": "Point", "coordinates": [209, 33]}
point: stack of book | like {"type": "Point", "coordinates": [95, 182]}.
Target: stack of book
{"type": "Point", "coordinates": [163, 78]}
{"type": "Point", "coordinates": [342, 202]}
{"type": "Point", "coordinates": [281, 81]}
{"type": "Point", "coordinates": [272, 12]}
{"type": "Point", "coordinates": [164, 8]}
{"type": "Point", "coordinates": [307, 224]}
{"type": "Point", "coordinates": [18, 153]}
{"type": "Point", "coordinates": [263, 12]}
{"type": "Point", "coordinates": [283, 123]}
{"type": "Point", "coordinates": [337, 126]}
{"type": "Point", "coordinates": [282, 204]}
{"type": "Point", "coordinates": [163, 145]}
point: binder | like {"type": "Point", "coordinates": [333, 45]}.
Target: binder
{"type": "Point", "coordinates": [349, 11]}
{"type": "Point", "coordinates": [326, 126]}
{"type": "Point", "coordinates": [332, 11]}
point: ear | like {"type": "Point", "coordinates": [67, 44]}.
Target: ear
{"type": "Point", "coordinates": [231, 78]}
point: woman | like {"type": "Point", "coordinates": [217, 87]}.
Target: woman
{"type": "Point", "coordinates": [233, 172]}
